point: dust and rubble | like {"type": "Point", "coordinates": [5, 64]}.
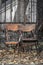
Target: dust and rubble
{"type": "Point", "coordinates": [13, 57]}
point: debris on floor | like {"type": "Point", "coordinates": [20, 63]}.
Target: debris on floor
{"type": "Point", "coordinates": [11, 57]}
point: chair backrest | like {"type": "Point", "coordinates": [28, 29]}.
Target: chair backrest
{"type": "Point", "coordinates": [13, 27]}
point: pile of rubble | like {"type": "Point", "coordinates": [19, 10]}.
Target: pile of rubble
{"type": "Point", "coordinates": [11, 57]}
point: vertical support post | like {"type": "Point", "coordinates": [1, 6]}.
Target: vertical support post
{"type": "Point", "coordinates": [24, 15]}
{"type": "Point", "coordinates": [11, 11]}
{"type": "Point", "coordinates": [31, 10]}
{"type": "Point", "coordinates": [0, 11]}
{"type": "Point", "coordinates": [5, 11]}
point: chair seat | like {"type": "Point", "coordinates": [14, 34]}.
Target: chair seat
{"type": "Point", "coordinates": [11, 42]}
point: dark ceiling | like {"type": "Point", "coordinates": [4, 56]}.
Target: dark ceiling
{"type": "Point", "coordinates": [3, 1]}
